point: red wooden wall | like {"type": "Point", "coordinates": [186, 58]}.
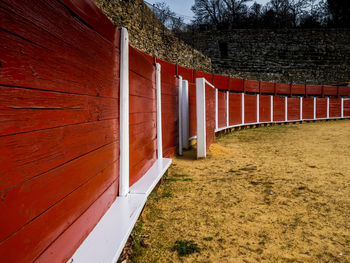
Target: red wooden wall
{"type": "Point", "coordinates": [142, 114]}
{"type": "Point", "coordinates": [334, 108]}
{"type": "Point", "coordinates": [222, 109]}
{"type": "Point", "coordinates": [235, 111]}
{"type": "Point", "coordinates": [249, 108]}
{"type": "Point", "coordinates": [308, 108]}
{"type": "Point", "coordinates": [170, 113]}
{"type": "Point", "coordinates": [293, 109]}
{"type": "Point", "coordinates": [321, 108]}
{"type": "Point", "coordinates": [346, 107]}
{"type": "Point", "coordinates": [264, 108]}
{"type": "Point", "coordinates": [210, 115]}
{"type": "Point", "coordinates": [59, 134]}
{"type": "Point", "coordinates": [278, 108]}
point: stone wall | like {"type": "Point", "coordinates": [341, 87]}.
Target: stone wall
{"type": "Point", "coordinates": [315, 56]}
{"type": "Point", "coordinates": [148, 34]}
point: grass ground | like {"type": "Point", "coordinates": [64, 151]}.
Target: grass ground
{"type": "Point", "coordinates": [272, 194]}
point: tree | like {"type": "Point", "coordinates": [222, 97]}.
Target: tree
{"type": "Point", "coordinates": [236, 9]}
{"type": "Point", "coordinates": [209, 12]}
{"type": "Point", "coordinates": [167, 16]}
{"type": "Point", "coordinates": [339, 11]}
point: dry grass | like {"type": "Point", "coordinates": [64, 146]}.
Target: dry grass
{"type": "Point", "coordinates": [272, 194]}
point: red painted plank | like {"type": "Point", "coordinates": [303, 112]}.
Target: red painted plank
{"type": "Point", "coordinates": [283, 88]}
{"type": "Point", "coordinates": [207, 76]}
{"type": "Point", "coordinates": [92, 15]}
{"type": "Point", "coordinates": [59, 251]}
{"type": "Point", "coordinates": [308, 109]}
{"type": "Point", "coordinates": [192, 109]}
{"type": "Point", "coordinates": [293, 109]}
{"type": "Point", "coordinates": [23, 110]}
{"type": "Point", "coordinates": [321, 108]}
{"type": "Point", "coordinates": [330, 90]}
{"type": "Point", "coordinates": [141, 87]}
{"type": "Point", "coordinates": [313, 89]}
{"type": "Point", "coordinates": [186, 73]}
{"type": "Point", "coordinates": [334, 108]}
{"type": "Point", "coordinates": [27, 155]}
{"type": "Point", "coordinates": [167, 67]}
{"type": "Point", "coordinates": [235, 104]}
{"type": "Point", "coordinates": [141, 105]}
{"type": "Point", "coordinates": [38, 194]}
{"type": "Point", "coordinates": [346, 109]}
{"type": "Point", "coordinates": [221, 109]}
{"type": "Point", "coordinates": [220, 82]}
{"type": "Point", "coordinates": [249, 108]}
{"type": "Point", "coordinates": [264, 108]}
{"type": "Point", "coordinates": [28, 243]}
{"type": "Point", "coordinates": [210, 115]}
{"type": "Point", "coordinates": [251, 86]}
{"type": "Point", "coordinates": [298, 89]}
{"type": "Point", "coordinates": [344, 91]}
{"type": "Point", "coordinates": [236, 84]}
{"type": "Point", "coordinates": [267, 87]}
{"type": "Point", "coordinates": [140, 65]}
{"type": "Point", "coordinates": [278, 108]}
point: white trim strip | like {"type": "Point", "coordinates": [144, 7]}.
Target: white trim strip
{"type": "Point", "coordinates": [286, 108]}
{"type": "Point", "coordinates": [301, 108]}
{"type": "Point", "coordinates": [180, 115]}
{"type": "Point", "coordinates": [216, 109]}
{"type": "Point", "coordinates": [124, 114]}
{"type": "Point", "coordinates": [227, 108]}
{"type": "Point", "coordinates": [242, 108]}
{"type": "Point", "coordinates": [185, 115]}
{"type": "Point", "coordinates": [201, 122]}
{"type": "Point", "coordinates": [271, 108]}
{"type": "Point", "coordinates": [257, 108]}
{"type": "Point", "coordinates": [314, 108]}
{"type": "Point", "coordinates": [342, 107]}
{"type": "Point", "coordinates": [159, 112]}
{"type": "Point", "coordinates": [327, 107]}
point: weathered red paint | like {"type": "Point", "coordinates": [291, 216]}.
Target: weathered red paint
{"type": "Point", "coordinates": [298, 89]}
{"type": "Point", "coordinates": [321, 108]}
{"type": "Point", "coordinates": [346, 106]}
{"type": "Point", "coordinates": [235, 111]}
{"type": "Point", "coordinates": [222, 109]}
{"type": "Point", "coordinates": [186, 73]}
{"type": "Point", "coordinates": [267, 87]}
{"type": "Point", "coordinates": [283, 88]}
{"type": "Point", "coordinates": [252, 86]}
{"type": "Point", "coordinates": [278, 108]}
{"type": "Point", "coordinates": [293, 109]}
{"type": "Point", "coordinates": [236, 84]}
{"type": "Point", "coordinates": [210, 115]}
{"type": "Point", "coordinates": [308, 108]}
{"type": "Point", "coordinates": [264, 108]}
{"type": "Point", "coordinates": [249, 108]}
{"type": "Point", "coordinates": [220, 82]}
{"type": "Point", "coordinates": [334, 108]}
{"type": "Point", "coordinates": [314, 90]}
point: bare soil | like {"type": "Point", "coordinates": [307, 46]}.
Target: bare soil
{"type": "Point", "coordinates": [270, 194]}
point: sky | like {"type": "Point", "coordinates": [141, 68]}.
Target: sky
{"type": "Point", "coordinates": [183, 7]}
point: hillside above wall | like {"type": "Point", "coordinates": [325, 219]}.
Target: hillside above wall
{"type": "Point", "coordinates": [148, 34]}
{"type": "Point", "coordinates": [312, 56]}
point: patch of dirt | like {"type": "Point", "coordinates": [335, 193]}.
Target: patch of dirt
{"type": "Point", "coordinates": [271, 194]}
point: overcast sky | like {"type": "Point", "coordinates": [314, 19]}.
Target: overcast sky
{"type": "Point", "coordinates": [183, 7]}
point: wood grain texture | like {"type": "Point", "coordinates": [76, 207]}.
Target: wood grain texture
{"type": "Point", "coordinates": [235, 105]}
{"type": "Point", "coordinates": [298, 89]}
{"type": "Point", "coordinates": [278, 108]}
{"type": "Point", "coordinates": [293, 109]}
{"type": "Point", "coordinates": [221, 82]}
{"type": "Point", "coordinates": [236, 84]}
{"type": "Point", "coordinates": [264, 108]}
{"type": "Point", "coordinates": [251, 86]}
{"type": "Point", "coordinates": [186, 73]}
{"type": "Point", "coordinates": [222, 109]}
{"type": "Point", "coordinates": [308, 108]}
{"type": "Point", "coordinates": [313, 89]}
{"type": "Point", "coordinates": [249, 108]}
{"type": "Point", "coordinates": [321, 108]}
{"type": "Point", "coordinates": [334, 108]}
{"type": "Point", "coordinates": [210, 115]}
{"type": "Point", "coordinates": [267, 87]}
{"type": "Point", "coordinates": [346, 106]}
{"type": "Point", "coordinates": [283, 88]}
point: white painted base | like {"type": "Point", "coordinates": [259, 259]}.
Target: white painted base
{"type": "Point", "coordinates": [107, 240]}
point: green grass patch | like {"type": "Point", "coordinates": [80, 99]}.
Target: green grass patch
{"type": "Point", "coordinates": [185, 247]}
{"type": "Point", "coordinates": [208, 238]}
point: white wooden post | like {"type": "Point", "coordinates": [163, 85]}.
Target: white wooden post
{"type": "Point", "coordinates": [257, 108]}
{"type": "Point", "coordinates": [227, 108]}
{"type": "Point", "coordinates": [159, 113]}
{"type": "Point", "coordinates": [301, 108]}
{"type": "Point", "coordinates": [271, 108]}
{"type": "Point", "coordinates": [180, 115]}
{"type": "Point", "coordinates": [342, 107]}
{"type": "Point", "coordinates": [242, 108]}
{"type": "Point", "coordinates": [314, 108]}
{"type": "Point", "coordinates": [201, 123]}
{"type": "Point", "coordinates": [286, 108]}
{"type": "Point", "coordinates": [327, 107]}
{"type": "Point", "coordinates": [185, 115]}
{"type": "Point", "coordinates": [124, 114]}
{"type": "Point", "coordinates": [216, 110]}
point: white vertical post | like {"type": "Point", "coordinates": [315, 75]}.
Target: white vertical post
{"type": "Point", "coordinates": [314, 108]}
{"type": "Point", "coordinates": [216, 110]}
{"type": "Point", "coordinates": [271, 108]}
{"type": "Point", "coordinates": [185, 115]}
{"type": "Point", "coordinates": [286, 108]}
{"type": "Point", "coordinates": [227, 108]}
{"type": "Point", "coordinates": [257, 108]}
{"type": "Point", "coordinates": [327, 107]}
{"type": "Point", "coordinates": [159, 113]}
{"type": "Point", "coordinates": [301, 108]}
{"type": "Point", "coordinates": [124, 114]}
{"type": "Point", "coordinates": [201, 123]}
{"type": "Point", "coordinates": [180, 115]}
{"type": "Point", "coordinates": [342, 107]}
{"type": "Point", "coordinates": [242, 108]}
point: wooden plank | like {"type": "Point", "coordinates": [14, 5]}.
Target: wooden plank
{"type": "Point", "coordinates": [27, 64]}
{"type": "Point", "coordinates": [30, 154]}
{"type": "Point", "coordinates": [220, 82]}
{"type": "Point", "coordinates": [283, 88]}
{"type": "Point", "coordinates": [222, 109]}
{"type": "Point", "coordinates": [186, 73]}
{"type": "Point", "coordinates": [298, 89]}
{"type": "Point", "coordinates": [264, 108]}
{"type": "Point", "coordinates": [346, 107]}
{"type": "Point", "coordinates": [278, 109]}
{"type": "Point", "coordinates": [313, 89]}
{"type": "Point", "coordinates": [23, 110]}
{"type": "Point", "coordinates": [73, 235]}
{"type": "Point", "coordinates": [235, 104]}
{"type": "Point", "coordinates": [141, 105]}
{"type": "Point", "coordinates": [335, 108]}
{"type": "Point", "coordinates": [308, 108]}
{"type": "Point", "coordinates": [293, 105]}
{"type": "Point", "coordinates": [35, 196]}
{"type": "Point", "coordinates": [251, 86]}
{"type": "Point", "coordinates": [37, 235]}
{"type": "Point", "coordinates": [249, 108]}
{"type": "Point", "coordinates": [267, 87]}
{"type": "Point", "coordinates": [321, 108]}
{"type": "Point", "coordinates": [140, 65]}
{"type": "Point", "coordinates": [141, 87]}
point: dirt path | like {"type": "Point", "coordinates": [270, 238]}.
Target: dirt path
{"type": "Point", "coordinates": [272, 194]}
